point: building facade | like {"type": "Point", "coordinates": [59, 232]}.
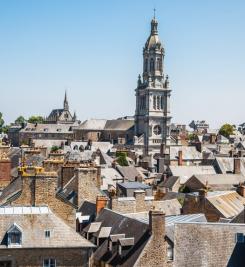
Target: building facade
{"type": "Point", "coordinates": [152, 115]}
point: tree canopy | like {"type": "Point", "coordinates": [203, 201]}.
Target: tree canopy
{"type": "Point", "coordinates": [122, 158]}
{"type": "Point", "coordinates": [226, 130]}
{"type": "Point", "coordinates": [36, 119]}
{"type": "Point", "coordinates": [1, 122]}
{"type": "Point", "coordinates": [20, 120]}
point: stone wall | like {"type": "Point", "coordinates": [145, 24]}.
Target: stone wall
{"type": "Point", "coordinates": [137, 203]}
{"type": "Point", "coordinates": [202, 245]}
{"type": "Point", "coordinates": [40, 190]}
{"type": "Point", "coordinates": [200, 204]}
{"type": "Point", "coordinates": [34, 257]}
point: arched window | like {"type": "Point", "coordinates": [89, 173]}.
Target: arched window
{"type": "Point", "coordinates": [146, 65]}
{"type": "Point", "coordinates": [159, 64]}
{"type": "Point", "coordinates": [154, 102]}
{"type": "Point", "coordinates": [161, 102]}
{"type": "Point", "coordinates": [158, 102]}
{"type": "Point", "coordinates": [152, 67]}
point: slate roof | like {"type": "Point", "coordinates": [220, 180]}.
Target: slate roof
{"type": "Point", "coordinates": [109, 177]}
{"type": "Point", "coordinates": [55, 112]}
{"type": "Point", "coordinates": [122, 225]}
{"type": "Point", "coordinates": [185, 172]}
{"type": "Point", "coordinates": [219, 179]}
{"type": "Point", "coordinates": [188, 153]}
{"type": "Point", "coordinates": [47, 128]}
{"type": "Point", "coordinates": [119, 125]}
{"type": "Point", "coordinates": [169, 182]}
{"type": "Point", "coordinates": [34, 226]}
{"type": "Point", "coordinates": [11, 191]}
{"type": "Point", "coordinates": [128, 172]}
{"type": "Point", "coordinates": [134, 185]}
{"type": "Point", "coordinates": [226, 165]}
{"type": "Point", "coordinates": [92, 124]}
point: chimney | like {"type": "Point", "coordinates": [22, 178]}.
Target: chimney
{"type": "Point", "coordinates": [101, 203]}
{"type": "Point", "coordinates": [5, 169]}
{"type": "Point", "coordinates": [237, 166]}
{"type": "Point", "coordinates": [241, 190]}
{"type": "Point", "coordinates": [180, 158]}
{"type": "Point", "coordinates": [140, 200]}
{"type": "Point", "coordinates": [157, 223]}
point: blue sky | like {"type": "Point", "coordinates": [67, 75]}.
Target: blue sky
{"type": "Point", "coordinates": [94, 50]}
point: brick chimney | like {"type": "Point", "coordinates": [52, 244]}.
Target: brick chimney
{"type": "Point", "coordinates": [157, 223]}
{"type": "Point", "coordinates": [237, 166]}
{"type": "Point", "coordinates": [5, 169]}
{"type": "Point", "coordinates": [101, 203]}
{"type": "Point", "coordinates": [180, 158]}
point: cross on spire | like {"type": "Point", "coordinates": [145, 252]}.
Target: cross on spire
{"type": "Point", "coordinates": [154, 10]}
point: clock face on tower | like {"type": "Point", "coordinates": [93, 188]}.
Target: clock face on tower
{"type": "Point", "coordinates": [157, 130]}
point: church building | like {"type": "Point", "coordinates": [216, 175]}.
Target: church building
{"type": "Point", "coordinates": [152, 114]}
{"type": "Point", "coordinates": [62, 115]}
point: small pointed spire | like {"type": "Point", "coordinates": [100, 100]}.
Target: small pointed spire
{"type": "Point", "coordinates": [75, 116]}
{"type": "Point", "coordinates": [66, 105]}
{"type": "Point", "coordinates": [154, 24]}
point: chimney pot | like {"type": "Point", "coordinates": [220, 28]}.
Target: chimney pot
{"type": "Point", "coordinates": [101, 202]}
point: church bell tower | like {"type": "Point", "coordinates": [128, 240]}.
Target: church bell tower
{"type": "Point", "coordinates": [152, 114]}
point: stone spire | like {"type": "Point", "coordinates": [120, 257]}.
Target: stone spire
{"type": "Point", "coordinates": [153, 54]}
{"type": "Point", "coordinates": [66, 105]}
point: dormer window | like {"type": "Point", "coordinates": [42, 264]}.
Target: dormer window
{"type": "Point", "coordinates": [14, 236]}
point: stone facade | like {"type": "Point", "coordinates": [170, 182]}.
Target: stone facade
{"type": "Point", "coordinates": [34, 257]}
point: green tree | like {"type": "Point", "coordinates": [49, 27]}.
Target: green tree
{"type": "Point", "coordinates": [1, 122]}
{"type": "Point", "coordinates": [54, 149]}
{"type": "Point", "coordinates": [36, 119]}
{"type": "Point", "coordinates": [20, 120]}
{"type": "Point", "coordinates": [122, 158]}
{"type": "Point", "coordinates": [226, 130]}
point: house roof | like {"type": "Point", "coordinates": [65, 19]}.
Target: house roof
{"type": "Point", "coordinates": [226, 165]}
{"type": "Point", "coordinates": [228, 203]}
{"type": "Point", "coordinates": [134, 185]}
{"type": "Point", "coordinates": [47, 128]}
{"type": "Point", "coordinates": [188, 153]}
{"type": "Point", "coordinates": [119, 125]}
{"type": "Point", "coordinates": [110, 177]}
{"type": "Point", "coordinates": [128, 172]}
{"type": "Point", "coordinates": [11, 190]}
{"type": "Point", "coordinates": [185, 172]}
{"type": "Point", "coordinates": [92, 124]}
{"type": "Point", "coordinates": [219, 179]}
{"type": "Point", "coordinates": [122, 225]}
{"type": "Point", "coordinates": [34, 227]}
